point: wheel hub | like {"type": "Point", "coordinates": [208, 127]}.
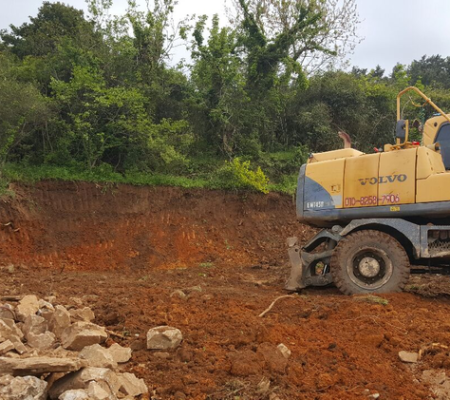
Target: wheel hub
{"type": "Point", "coordinates": [369, 267]}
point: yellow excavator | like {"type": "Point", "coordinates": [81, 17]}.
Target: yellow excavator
{"type": "Point", "coordinates": [382, 213]}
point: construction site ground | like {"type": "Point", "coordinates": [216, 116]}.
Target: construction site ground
{"type": "Point", "coordinates": [209, 263]}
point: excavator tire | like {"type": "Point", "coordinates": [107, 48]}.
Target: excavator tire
{"type": "Point", "coordinates": [369, 261]}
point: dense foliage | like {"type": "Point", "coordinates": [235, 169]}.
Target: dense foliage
{"type": "Point", "coordinates": [96, 97]}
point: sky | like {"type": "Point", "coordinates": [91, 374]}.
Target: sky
{"type": "Point", "coordinates": [392, 30]}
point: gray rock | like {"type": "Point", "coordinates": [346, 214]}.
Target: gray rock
{"type": "Point", "coordinates": [77, 394]}
{"type": "Point", "coordinates": [82, 314]}
{"type": "Point", "coordinates": [19, 346]}
{"type": "Point", "coordinates": [5, 380]}
{"type": "Point", "coordinates": [82, 334]}
{"type": "Point", "coordinates": [7, 311]}
{"type": "Point", "coordinates": [97, 392]}
{"type": "Point", "coordinates": [43, 341]}
{"type": "Point", "coordinates": [45, 305]}
{"type": "Point", "coordinates": [132, 386]}
{"type": "Point", "coordinates": [9, 330]}
{"type": "Point", "coordinates": [35, 325]}
{"type": "Point", "coordinates": [120, 354]}
{"type": "Point", "coordinates": [106, 378]}
{"type": "Point", "coordinates": [163, 338]}
{"type": "Point", "coordinates": [284, 350]}
{"type": "Point", "coordinates": [60, 320]}
{"type": "Point", "coordinates": [39, 365]}
{"type": "Point", "coordinates": [408, 357]}
{"type": "Point", "coordinates": [29, 305]}
{"type": "Point", "coordinates": [24, 388]}
{"type": "Point", "coordinates": [98, 356]}
{"type": "Point", "coordinates": [6, 346]}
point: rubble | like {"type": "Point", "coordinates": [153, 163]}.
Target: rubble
{"type": "Point", "coordinates": [74, 395]}
{"type": "Point", "coordinates": [98, 356]}
{"type": "Point", "coordinates": [82, 334]}
{"type": "Point", "coordinates": [83, 314]}
{"type": "Point", "coordinates": [6, 346]}
{"type": "Point", "coordinates": [120, 354]}
{"type": "Point", "coordinates": [408, 357]}
{"type": "Point", "coordinates": [163, 338]}
{"type": "Point", "coordinates": [39, 365]}
{"type": "Point", "coordinates": [38, 338]}
{"type": "Point", "coordinates": [284, 350]}
{"type": "Point", "coordinates": [26, 388]}
{"type": "Point", "coordinates": [29, 305]}
{"type": "Point", "coordinates": [131, 386]}
{"type": "Point", "coordinates": [60, 320]}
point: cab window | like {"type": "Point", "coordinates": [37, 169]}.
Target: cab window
{"type": "Point", "coordinates": [443, 138]}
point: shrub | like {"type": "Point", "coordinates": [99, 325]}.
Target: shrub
{"type": "Point", "coordinates": [239, 175]}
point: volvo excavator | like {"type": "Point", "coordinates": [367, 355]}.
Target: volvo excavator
{"type": "Point", "coordinates": [381, 213]}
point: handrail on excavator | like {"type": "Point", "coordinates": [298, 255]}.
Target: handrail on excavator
{"type": "Point", "coordinates": [421, 94]}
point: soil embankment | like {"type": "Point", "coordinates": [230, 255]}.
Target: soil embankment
{"type": "Point", "coordinates": [208, 263]}
{"type": "Point", "coordinates": [93, 227]}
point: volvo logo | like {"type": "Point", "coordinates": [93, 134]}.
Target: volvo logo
{"type": "Point", "coordinates": [383, 179]}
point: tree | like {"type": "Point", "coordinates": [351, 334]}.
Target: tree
{"type": "Point", "coordinates": [431, 71]}
{"type": "Point", "coordinates": [24, 112]}
{"type": "Point", "coordinates": [315, 33]}
{"type": "Point", "coordinates": [217, 75]}
{"type": "Point", "coordinates": [44, 33]}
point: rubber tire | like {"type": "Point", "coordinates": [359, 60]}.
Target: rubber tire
{"type": "Point", "coordinates": [351, 244]}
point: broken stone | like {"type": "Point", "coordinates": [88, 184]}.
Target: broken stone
{"type": "Point", "coordinates": [60, 320]}
{"type": "Point", "coordinates": [163, 338]}
{"type": "Point", "coordinates": [24, 388]}
{"type": "Point", "coordinates": [83, 314]}
{"type": "Point", "coordinates": [179, 293]}
{"type": "Point", "coordinates": [97, 392]}
{"type": "Point", "coordinates": [39, 365]}
{"type": "Point", "coordinates": [98, 356]}
{"type": "Point", "coordinates": [106, 378]}
{"type": "Point", "coordinates": [408, 357]}
{"type": "Point", "coordinates": [132, 386]}
{"type": "Point", "coordinates": [77, 394]}
{"type": "Point", "coordinates": [77, 301]}
{"type": "Point", "coordinates": [6, 346]}
{"type": "Point", "coordinates": [45, 305]}
{"type": "Point", "coordinates": [51, 299]}
{"type": "Point", "coordinates": [43, 341]}
{"type": "Point", "coordinates": [9, 330]}
{"type": "Point", "coordinates": [263, 386]}
{"type": "Point", "coordinates": [7, 311]}
{"type": "Point", "coordinates": [29, 305]}
{"type": "Point", "coordinates": [35, 325]}
{"type": "Point", "coordinates": [82, 334]}
{"type": "Point", "coordinates": [120, 354]}
{"type": "Point", "coordinates": [5, 380]}
{"type": "Point", "coordinates": [284, 350]}
{"type": "Point", "coordinates": [19, 346]}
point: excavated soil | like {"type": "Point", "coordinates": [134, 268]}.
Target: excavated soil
{"type": "Point", "coordinates": [208, 263]}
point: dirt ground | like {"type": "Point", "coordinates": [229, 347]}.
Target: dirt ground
{"type": "Point", "coordinates": [209, 263]}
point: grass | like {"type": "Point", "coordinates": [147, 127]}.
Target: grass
{"type": "Point", "coordinates": [202, 180]}
{"type": "Point", "coordinates": [372, 299]}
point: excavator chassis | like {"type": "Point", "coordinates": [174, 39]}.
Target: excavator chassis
{"type": "Point", "coordinates": [424, 244]}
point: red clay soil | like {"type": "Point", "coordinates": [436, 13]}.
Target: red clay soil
{"type": "Point", "coordinates": [209, 263]}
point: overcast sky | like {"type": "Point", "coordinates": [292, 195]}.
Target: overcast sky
{"type": "Point", "coordinates": [393, 30]}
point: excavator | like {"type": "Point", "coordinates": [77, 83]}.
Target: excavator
{"type": "Point", "coordinates": [380, 213]}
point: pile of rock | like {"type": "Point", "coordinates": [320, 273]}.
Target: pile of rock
{"type": "Point", "coordinates": [48, 351]}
